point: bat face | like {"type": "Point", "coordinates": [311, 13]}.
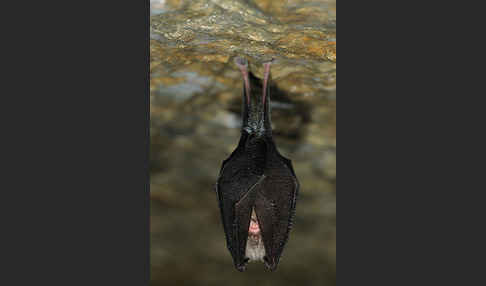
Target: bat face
{"type": "Point", "coordinates": [257, 187]}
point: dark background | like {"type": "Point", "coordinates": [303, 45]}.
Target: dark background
{"type": "Point", "coordinates": [75, 141]}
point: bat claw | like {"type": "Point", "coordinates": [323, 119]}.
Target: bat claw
{"type": "Point", "coordinates": [241, 62]}
{"type": "Point", "coordinates": [268, 61]}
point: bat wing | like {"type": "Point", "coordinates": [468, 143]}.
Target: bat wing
{"type": "Point", "coordinates": [236, 190]}
{"type": "Point", "coordinates": [275, 206]}
{"type": "Point", "coordinates": [257, 176]}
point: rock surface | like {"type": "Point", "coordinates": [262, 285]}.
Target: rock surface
{"type": "Point", "coordinates": [195, 104]}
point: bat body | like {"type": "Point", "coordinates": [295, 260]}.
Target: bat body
{"type": "Point", "coordinates": [257, 187]}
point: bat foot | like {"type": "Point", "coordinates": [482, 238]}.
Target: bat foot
{"type": "Point", "coordinates": [241, 62]}
{"type": "Point", "coordinates": [268, 61]}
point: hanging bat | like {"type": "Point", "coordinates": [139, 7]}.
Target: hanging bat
{"type": "Point", "coordinates": [257, 187]}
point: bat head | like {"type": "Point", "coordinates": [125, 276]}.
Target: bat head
{"type": "Point", "coordinates": [255, 250]}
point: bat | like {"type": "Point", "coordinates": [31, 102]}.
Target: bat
{"type": "Point", "coordinates": [257, 187]}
